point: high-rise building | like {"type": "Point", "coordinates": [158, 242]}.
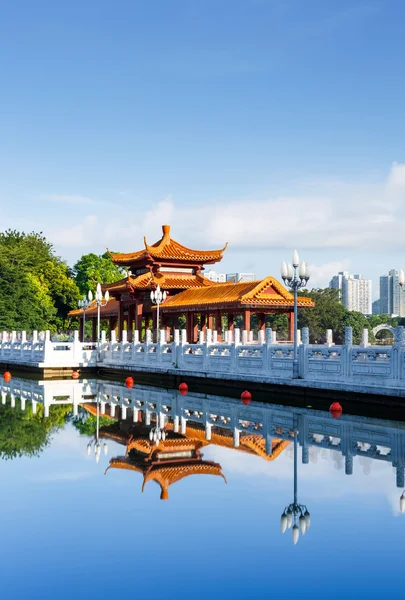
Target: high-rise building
{"type": "Point", "coordinates": [375, 307]}
{"type": "Point", "coordinates": [355, 291]}
{"type": "Point", "coordinates": [214, 276]}
{"type": "Point", "coordinates": [392, 296]}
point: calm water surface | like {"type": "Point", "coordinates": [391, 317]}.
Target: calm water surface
{"type": "Point", "coordinates": [71, 529]}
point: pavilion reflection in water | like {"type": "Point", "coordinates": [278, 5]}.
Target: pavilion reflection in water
{"type": "Point", "coordinates": [178, 455]}
{"type": "Point", "coordinates": [260, 429]}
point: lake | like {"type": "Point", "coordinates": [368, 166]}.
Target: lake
{"type": "Point", "coordinates": [102, 499]}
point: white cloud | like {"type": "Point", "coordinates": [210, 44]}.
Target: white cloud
{"type": "Point", "coordinates": [322, 274]}
{"type": "Point", "coordinates": [80, 235]}
{"type": "Point", "coordinates": [330, 219]}
{"type": "Point", "coordinates": [323, 477]}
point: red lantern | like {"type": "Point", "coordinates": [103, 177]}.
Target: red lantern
{"type": "Point", "coordinates": [7, 376]}
{"type": "Point", "coordinates": [129, 382]}
{"type": "Point", "coordinates": [335, 410]}
{"type": "Point", "coordinates": [75, 375]}
{"type": "Point", "coordinates": [246, 397]}
{"type": "Point", "coordinates": [183, 389]}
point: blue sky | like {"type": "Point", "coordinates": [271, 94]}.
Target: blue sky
{"type": "Point", "coordinates": [268, 124]}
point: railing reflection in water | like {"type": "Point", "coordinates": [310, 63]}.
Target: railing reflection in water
{"type": "Point", "coordinates": [162, 418]}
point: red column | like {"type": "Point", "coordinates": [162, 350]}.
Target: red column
{"type": "Point", "coordinates": [231, 324]}
{"type": "Point", "coordinates": [291, 326]}
{"type": "Point", "coordinates": [246, 319]}
{"type": "Point", "coordinates": [120, 320]}
{"type": "Point", "coordinates": [129, 322]}
{"type": "Point", "coordinates": [138, 317]}
{"type": "Point", "coordinates": [189, 327]}
{"type": "Point", "coordinates": [195, 328]}
{"type": "Point", "coordinates": [210, 322]}
{"type": "Point", "coordinates": [218, 325]}
{"type": "Point", "coordinates": [262, 321]}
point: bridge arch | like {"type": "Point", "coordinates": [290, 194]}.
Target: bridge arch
{"type": "Point", "coordinates": [383, 327]}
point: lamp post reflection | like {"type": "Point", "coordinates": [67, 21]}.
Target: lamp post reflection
{"type": "Point", "coordinates": [96, 440]}
{"type": "Point", "coordinates": [295, 515]}
{"type": "Point", "coordinates": [157, 433]}
{"type": "Point", "coordinates": [402, 502]}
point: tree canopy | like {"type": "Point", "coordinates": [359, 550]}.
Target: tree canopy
{"type": "Point", "coordinates": [37, 289]}
{"type": "Point", "coordinates": [91, 269]}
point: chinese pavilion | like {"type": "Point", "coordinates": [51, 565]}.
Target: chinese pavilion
{"type": "Point", "coordinates": [178, 271]}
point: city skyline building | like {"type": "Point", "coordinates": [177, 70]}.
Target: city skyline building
{"type": "Point", "coordinates": [355, 291]}
{"type": "Point", "coordinates": [392, 296]}
{"type": "Point", "coordinates": [214, 276]}
{"type": "Point", "coordinates": [228, 277]}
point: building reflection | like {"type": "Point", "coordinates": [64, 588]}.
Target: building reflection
{"type": "Point", "coordinates": [172, 455]}
{"type": "Point", "coordinates": [190, 423]}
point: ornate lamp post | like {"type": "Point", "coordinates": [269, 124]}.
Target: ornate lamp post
{"type": "Point", "coordinates": [295, 515]}
{"type": "Point", "coordinates": [295, 276]}
{"type": "Point", "coordinates": [157, 298]}
{"type": "Point", "coordinates": [100, 302]}
{"type": "Point", "coordinates": [97, 445]}
{"type": "Point", "coordinates": [84, 305]}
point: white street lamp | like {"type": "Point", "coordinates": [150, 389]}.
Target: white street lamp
{"type": "Point", "coordinates": [295, 276]}
{"type": "Point", "coordinates": [84, 305]}
{"type": "Point", "coordinates": [157, 298]}
{"type": "Point", "coordinates": [100, 302]}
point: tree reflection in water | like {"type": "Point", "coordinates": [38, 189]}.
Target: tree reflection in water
{"type": "Point", "coordinates": [28, 433]}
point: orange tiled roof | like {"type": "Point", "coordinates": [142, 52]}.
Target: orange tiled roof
{"type": "Point", "coordinates": [149, 281]}
{"type": "Point", "coordinates": [168, 248]}
{"type": "Point", "coordinates": [111, 308]}
{"type": "Point", "coordinates": [145, 446]}
{"type": "Point", "coordinates": [266, 293]}
{"type": "Point", "coordinates": [250, 443]}
{"type": "Point", "coordinates": [165, 474]}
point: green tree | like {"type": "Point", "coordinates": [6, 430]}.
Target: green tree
{"type": "Point", "coordinates": [36, 287]}
{"type": "Point", "coordinates": [91, 269]}
{"type": "Point", "coordinates": [88, 427]}
{"type": "Point", "coordinates": [357, 321]}
{"type": "Point", "coordinates": [328, 313]}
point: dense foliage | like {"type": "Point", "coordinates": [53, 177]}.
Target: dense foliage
{"type": "Point", "coordinates": [91, 269]}
{"type": "Point", "coordinates": [37, 290]}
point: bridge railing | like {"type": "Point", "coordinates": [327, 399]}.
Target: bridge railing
{"type": "Point", "coordinates": [264, 361]}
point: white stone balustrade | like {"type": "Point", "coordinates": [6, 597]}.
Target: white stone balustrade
{"type": "Point", "coordinates": [265, 360]}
